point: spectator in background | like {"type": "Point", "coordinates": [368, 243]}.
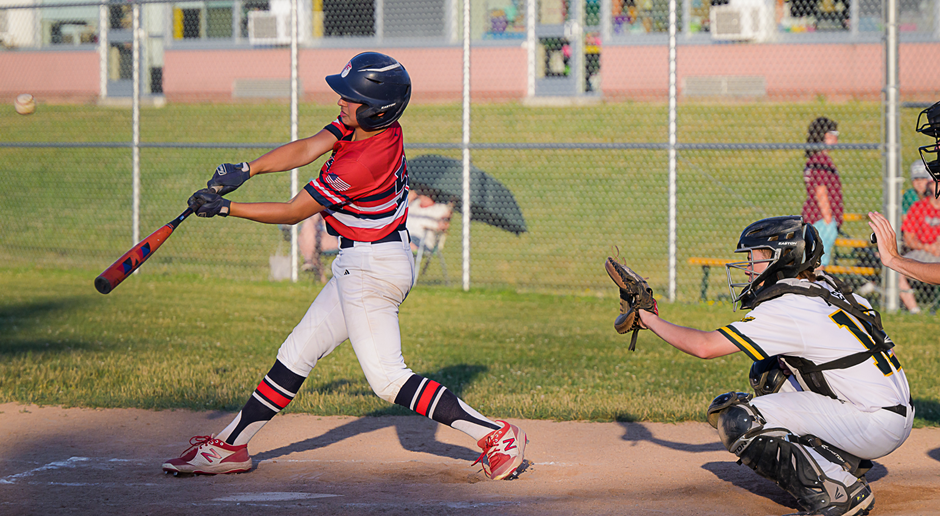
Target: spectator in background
{"type": "Point", "coordinates": [312, 239]}
{"type": "Point", "coordinates": [919, 180]}
{"type": "Point", "coordinates": [920, 230]}
{"type": "Point", "coordinates": [427, 220]}
{"type": "Point", "coordinates": [823, 207]}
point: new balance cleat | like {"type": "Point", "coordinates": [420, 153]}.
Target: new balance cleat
{"type": "Point", "coordinates": [504, 450]}
{"type": "Point", "coordinates": [209, 456]}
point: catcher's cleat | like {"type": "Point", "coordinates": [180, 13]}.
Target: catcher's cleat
{"type": "Point", "coordinates": [209, 456]}
{"type": "Point", "coordinates": [504, 450]}
{"type": "Point", "coordinates": [859, 503]}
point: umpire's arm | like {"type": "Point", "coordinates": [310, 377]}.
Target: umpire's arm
{"type": "Point", "coordinates": [698, 343]}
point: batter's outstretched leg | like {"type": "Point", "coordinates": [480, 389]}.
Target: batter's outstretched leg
{"type": "Point", "coordinates": [503, 444]}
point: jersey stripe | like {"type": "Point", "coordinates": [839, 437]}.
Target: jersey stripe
{"type": "Point", "coordinates": [335, 131]}
{"type": "Point", "coordinates": [743, 343]}
{"type": "Point", "coordinates": [427, 396]}
{"type": "Point", "coordinates": [363, 185]}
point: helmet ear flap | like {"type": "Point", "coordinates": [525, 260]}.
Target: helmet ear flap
{"type": "Point", "coordinates": [814, 246]}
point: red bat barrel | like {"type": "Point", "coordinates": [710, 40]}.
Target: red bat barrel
{"type": "Point", "coordinates": [125, 265]}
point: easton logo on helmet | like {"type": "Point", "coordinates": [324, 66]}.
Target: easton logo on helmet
{"type": "Point", "coordinates": [346, 69]}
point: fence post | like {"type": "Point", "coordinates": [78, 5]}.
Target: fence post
{"type": "Point", "coordinates": [672, 150]}
{"type": "Point", "coordinates": [294, 20]}
{"type": "Point", "coordinates": [531, 47]}
{"type": "Point", "coordinates": [103, 25]}
{"type": "Point", "coordinates": [135, 107]}
{"type": "Point", "coordinates": [466, 145]}
{"type": "Point", "coordinates": [892, 143]}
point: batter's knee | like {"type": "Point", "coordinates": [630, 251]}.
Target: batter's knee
{"type": "Point", "coordinates": [388, 389]}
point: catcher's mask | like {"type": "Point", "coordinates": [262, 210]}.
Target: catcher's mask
{"type": "Point", "coordinates": [379, 83]}
{"type": "Point", "coordinates": [928, 123]}
{"type": "Point", "coordinates": [794, 247]}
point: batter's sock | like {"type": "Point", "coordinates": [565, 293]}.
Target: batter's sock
{"type": "Point", "coordinates": [431, 399]}
{"type": "Point", "coordinates": [277, 389]}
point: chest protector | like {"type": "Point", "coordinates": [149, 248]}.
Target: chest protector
{"type": "Point", "coordinates": [807, 373]}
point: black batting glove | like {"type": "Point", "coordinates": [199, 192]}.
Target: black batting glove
{"type": "Point", "coordinates": [229, 177]}
{"type": "Point", "coordinates": [206, 203]}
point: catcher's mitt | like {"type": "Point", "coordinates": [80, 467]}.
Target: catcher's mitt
{"type": "Point", "coordinates": [635, 294]}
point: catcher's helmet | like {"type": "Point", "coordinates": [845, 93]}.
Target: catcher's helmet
{"type": "Point", "coordinates": [928, 122]}
{"type": "Point", "coordinates": [795, 246]}
{"type": "Point", "coordinates": [379, 83]}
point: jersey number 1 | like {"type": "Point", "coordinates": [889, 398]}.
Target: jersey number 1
{"type": "Point", "coordinates": [881, 359]}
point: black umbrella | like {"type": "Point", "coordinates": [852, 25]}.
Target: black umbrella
{"type": "Point", "coordinates": [490, 201]}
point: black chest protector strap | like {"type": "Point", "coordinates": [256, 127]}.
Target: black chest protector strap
{"type": "Point", "coordinates": [869, 317]}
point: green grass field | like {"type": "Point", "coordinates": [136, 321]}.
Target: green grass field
{"type": "Point", "coordinates": [199, 325]}
{"type": "Point", "coordinates": [187, 342]}
{"type": "Point", "coordinates": [71, 207]}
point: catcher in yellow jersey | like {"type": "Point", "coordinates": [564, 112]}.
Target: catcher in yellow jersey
{"type": "Point", "coordinates": [830, 394]}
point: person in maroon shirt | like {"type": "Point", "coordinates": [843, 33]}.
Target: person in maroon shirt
{"type": "Point", "coordinates": [823, 207]}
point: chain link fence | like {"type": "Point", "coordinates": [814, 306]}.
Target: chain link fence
{"type": "Point", "coordinates": [569, 109]}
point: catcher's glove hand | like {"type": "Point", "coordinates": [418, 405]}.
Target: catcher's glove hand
{"type": "Point", "coordinates": [635, 294]}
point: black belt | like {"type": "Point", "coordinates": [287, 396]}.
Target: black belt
{"type": "Point", "coordinates": [394, 236]}
{"type": "Point", "coordinates": [901, 410]}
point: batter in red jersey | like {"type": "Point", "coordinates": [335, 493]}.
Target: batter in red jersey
{"type": "Point", "coordinates": [362, 193]}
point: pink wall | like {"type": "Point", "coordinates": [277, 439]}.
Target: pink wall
{"type": "Point", "coordinates": [435, 72]}
{"type": "Point", "coordinates": [498, 72]}
{"type": "Point", "coordinates": [789, 70]}
{"type": "Point", "coordinates": [61, 74]}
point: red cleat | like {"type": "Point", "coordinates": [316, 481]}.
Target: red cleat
{"type": "Point", "coordinates": [504, 450]}
{"type": "Point", "coordinates": [209, 456]}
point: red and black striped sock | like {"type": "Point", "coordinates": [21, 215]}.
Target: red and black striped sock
{"type": "Point", "coordinates": [275, 392]}
{"type": "Point", "coordinates": [433, 400]}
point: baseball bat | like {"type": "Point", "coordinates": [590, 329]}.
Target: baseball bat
{"type": "Point", "coordinates": [133, 259]}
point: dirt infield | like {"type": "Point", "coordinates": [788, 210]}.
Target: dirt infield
{"type": "Point", "coordinates": [84, 461]}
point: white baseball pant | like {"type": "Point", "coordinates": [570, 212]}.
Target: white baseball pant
{"type": "Point", "coordinates": [868, 435]}
{"type": "Point", "coordinates": [360, 303]}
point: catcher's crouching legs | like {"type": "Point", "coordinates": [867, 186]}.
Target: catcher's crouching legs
{"type": "Point", "coordinates": [778, 455]}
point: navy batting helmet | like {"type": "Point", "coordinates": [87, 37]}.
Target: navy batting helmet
{"type": "Point", "coordinates": [379, 83]}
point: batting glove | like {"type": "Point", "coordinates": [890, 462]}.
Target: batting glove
{"type": "Point", "coordinates": [207, 203]}
{"type": "Point", "coordinates": [229, 177]}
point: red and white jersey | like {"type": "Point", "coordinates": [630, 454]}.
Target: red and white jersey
{"type": "Point", "coordinates": [809, 328]}
{"type": "Point", "coordinates": [364, 185]}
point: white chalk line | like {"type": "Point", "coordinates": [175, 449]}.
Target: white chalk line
{"type": "Point", "coordinates": [70, 463]}
{"type": "Point", "coordinates": [275, 496]}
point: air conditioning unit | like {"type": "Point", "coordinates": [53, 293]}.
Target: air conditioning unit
{"type": "Point", "coordinates": [741, 20]}
{"type": "Point", "coordinates": [268, 28]}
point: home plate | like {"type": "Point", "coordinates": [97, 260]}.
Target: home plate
{"type": "Point", "coordinates": [272, 497]}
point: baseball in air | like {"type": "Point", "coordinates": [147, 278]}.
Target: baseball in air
{"type": "Point", "coordinates": [25, 104]}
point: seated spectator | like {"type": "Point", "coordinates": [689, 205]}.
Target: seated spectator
{"type": "Point", "coordinates": [919, 179]}
{"type": "Point", "coordinates": [312, 239]}
{"type": "Point", "coordinates": [920, 229]}
{"type": "Point", "coordinates": [427, 221]}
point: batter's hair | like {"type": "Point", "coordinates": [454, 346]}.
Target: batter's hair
{"type": "Point", "coordinates": [807, 274]}
{"type": "Point", "coordinates": [816, 132]}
